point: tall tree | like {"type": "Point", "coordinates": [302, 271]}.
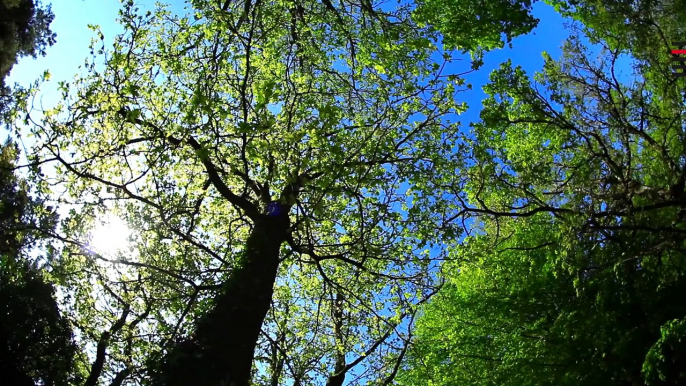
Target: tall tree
{"type": "Point", "coordinates": [36, 342]}
{"type": "Point", "coordinates": [638, 26]}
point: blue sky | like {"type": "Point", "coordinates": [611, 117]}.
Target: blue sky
{"type": "Point", "coordinates": [73, 36]}
{"type": "Point", "coordinates": [526, 51]}
{"type": "Point", "coordinates": [72, 18]}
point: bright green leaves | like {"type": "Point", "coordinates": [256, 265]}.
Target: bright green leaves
{"type": "Point", "coordinates": [199, 100]}
{"type": "Point", "coordinates": [133, 115]}
{"type": "Point", "coordinates": [515, 137]}
{"type": "Point", "coordinates": [329, 117]}
{"type": "Point", "coordinates": [657, 368]}
{"type": "Point", "coordinates": [568, 279]}
{"type": "Point", "coordinates": [202, 154]}
{"type": "Point", "coordinates": [476, 25]}
{"type": "Point", "coordinates": [245, 128]}
{"type": "Point", "coordinates": [265, 93]}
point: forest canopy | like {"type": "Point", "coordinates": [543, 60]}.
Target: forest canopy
{"type": "Point", "coordinates": [305, 207]}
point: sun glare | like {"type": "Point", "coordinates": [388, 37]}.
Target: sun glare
{"type": "Point", "coordinates": [110, 236]}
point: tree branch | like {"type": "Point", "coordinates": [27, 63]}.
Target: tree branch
{"type": "Point", "coordinates": [103, 342]}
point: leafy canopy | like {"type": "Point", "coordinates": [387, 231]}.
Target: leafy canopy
{"type": "Point", "coordinates": [576, 185]}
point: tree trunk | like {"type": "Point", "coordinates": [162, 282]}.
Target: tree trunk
{"type": "Point", "coordinates": [222, 348]}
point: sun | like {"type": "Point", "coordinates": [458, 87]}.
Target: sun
{"type": "Point", "coordinates": [110, 235]}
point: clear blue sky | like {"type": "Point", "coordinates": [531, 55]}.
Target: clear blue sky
{"type": "Point", "coordinates": [72, 18]}
{"type": "Point", "coordinates": [73, 36]}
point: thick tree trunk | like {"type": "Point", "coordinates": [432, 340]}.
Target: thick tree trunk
{"type": "Point", "coordinates": [221, 350]}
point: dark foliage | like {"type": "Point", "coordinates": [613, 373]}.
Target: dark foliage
{"type": "Point", "coordinates": [36, 345]}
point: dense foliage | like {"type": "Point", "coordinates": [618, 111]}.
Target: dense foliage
{"type": "Point", "coordinates": [577, 273]}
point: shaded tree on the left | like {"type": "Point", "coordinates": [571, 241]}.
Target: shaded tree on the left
{"type": "Point", "coordinates": [37, 345]}
{"type": "Point", "coordinates": [36, 342]}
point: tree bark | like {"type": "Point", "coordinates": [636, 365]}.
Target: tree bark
{"type": "Point", "coordinates": [338, 376]}
{"type": "Point", "coordinates": [222, 348]}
